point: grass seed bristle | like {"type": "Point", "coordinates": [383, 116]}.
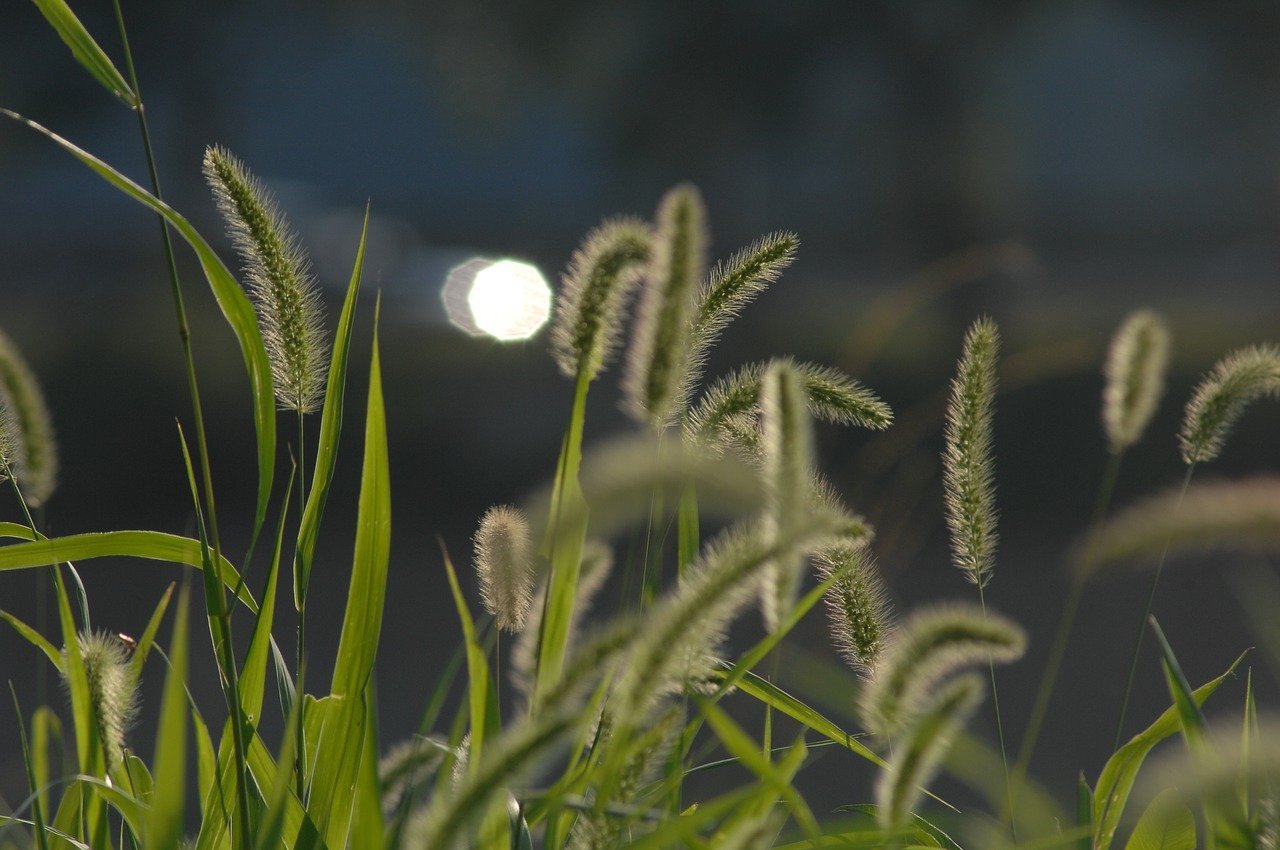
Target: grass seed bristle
{"type": "Point", "coordinates": [1136, 364]}
{"type": "Point", "coordinates": [504, 563]}
{"type": "Point", "coordinates": [1221, 397]}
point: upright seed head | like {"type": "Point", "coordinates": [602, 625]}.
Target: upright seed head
{"type": "Point", "coordinates": [279, 277]}
{"type": "Point", "coordinates": [593, 293]}
{"type": "Point", "coordinates": [37, 450]}
{"type": "Point", "coordinates": [857, 605]}
{"type": "Point", "coordinates": [653, 382]}
{"type": "Point", "coordinates": [787, 466]}
{"type": "Point", "coordinates": [504, 563]}
{"type": "Point", "coordinates": [968, 469]}
{"type": "Point", "coordinates": [1222, 396]}
{"type": "Point", "coordinates": [1135, 370]}
{"type": "Point", "coordinates": [112, 691]}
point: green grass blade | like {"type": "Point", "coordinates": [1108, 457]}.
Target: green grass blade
{"type": "Point", "coordinates": [149, 545]}
{"type": "Point", "coordinates": [1190, 717]}
{"type": "Point", "coordinates": [17, 530]}
{"type": "Point", "coordinates": [37, 811]}
{"type": "Point", "coordinates": [343, 740]}
{"type": "Point", "coordinates": [1165, 825]}
{"type": "Point", "coordinates": [144, 643]}
{"type": "Point", "coordinates": [1115, 783]}
{"type": "Point", "coordinates": [477, 666]}
{"type": "Point", "coordinates": [253, 673]}
{"type": "Point", "coordinates": [34, 638]}
{"type": "Point", "coordinates": [45, 729]}
{"type": "Point", "coordinates": [367, 820]}
{"type": "Point", "coordinates": [227, 292]}
{"type": "Point", "coordinates": [88, 747]}
{"type": "Point", "coordinates": [164, 821]}
{"type": "Point", "coordinates": [85, 50]}
{"type": "Point", "coordinates": [330, 429]}
{"type": "Point", "coordinates": [779, 700]}
{"type": "Point", "coordinates": [271, 833]}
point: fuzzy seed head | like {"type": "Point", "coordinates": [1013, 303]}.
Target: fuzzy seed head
{"type": "Point", "coordinates": [719, 418]}
{"type": "Point", "coordinates": [1222, 396]}
{"type": "Point", "coordinates": [929, 646]}
{"type": "Point", "coordinates": [654, 379]}
{"type": "Point", "coordinates": [12, 446]}
{"type": "Point", "coordinates": [1135, 370]}
{"type": "Point", "coordinates": [787, 466]}
{"type": "Point", "coordinates": [279, 278]}
{"type": "Point", "coordinates": [593, 294]}
{"type": "Point", "coordinates": [857, 605]}
{"type": "Point", "coordinates": [968, 468]}
{"type": "Point", "coordinates": [112, 691]}
{"type": "Point", "coordinates": [35, 449]}
{"type": "Point", "coordinates": [728, 290]}
{"type": "Point", "coordinates": [504, 562]}
{"type": "Point", "coordinates": [921, 749]}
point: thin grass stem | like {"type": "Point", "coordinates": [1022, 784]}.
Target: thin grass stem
{"type": "Point", "coordinates": [995, 702]}
{"type": "Point", "coordinates": [1146, 613]}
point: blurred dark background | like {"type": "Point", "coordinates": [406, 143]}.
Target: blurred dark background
{"type": "Point", "coordinates": [1054, 164]}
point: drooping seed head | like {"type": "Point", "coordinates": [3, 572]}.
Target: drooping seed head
{"type": "Point", "coordinates": [928, 647]}
{"type": "Point", "coordinates": [1241, 515]}
{"type": "Point", "coordinates": [920, 750]}
{"type": "Point", "coordinates": [112, 691]}
{"type": "Point", "coordinates": [593, 294]}
{"type": "Point", "coordinates": [36, 449]}
{"type": "Point", "coordinates": [968, 468]}
{"type": "Point", "coordinates": [728, 290]}
{"type": "Point", "coordinates": [290, 312]}
{"type": "Point", "coordinates": [653, 381]}
{"type": "Point", "coordinates": [787, 467]}
{"type": "Point", "coordinates": [1135, 370]}
{"type": "Point", "coordinates": [1221, 397]}
{"type": "Point", "coordinates": [504, 562]}
{"type": "Point", "coordinates": [12, 446]}
{"type": "Point", "coordinates": [857, 605]}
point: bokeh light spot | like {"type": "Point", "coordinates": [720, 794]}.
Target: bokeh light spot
{"type": "Point", "coordinates": [506, 299]}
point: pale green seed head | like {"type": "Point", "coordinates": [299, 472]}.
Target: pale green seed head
{"type": "Point", "coordinates": [1222, 396]}
{"type": "Point", "coordinates": [504, 563]}
{"type": "Point", "coordinates": [35, 451]}
{"type": "Point", "coordinates": [290, 312]}
{"type": "Point", "coordinates": [112, 691]}
{"type": "Point", "coordinates": [1135, 370]}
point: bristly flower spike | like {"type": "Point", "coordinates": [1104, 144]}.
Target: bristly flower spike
{"type": "Point", "coordinates": [654, 379]}
{"type": "Point", "coordinates": [12, 446]}
{"type": "Point", "coordinates": [1135, 370]}
{"type": "Point", "coordinates": [594, 292]}
{"type": "Point", "coordinates": [36, 449]}
{"type": "Point", "coordinates": [968, 475]}
{"type": "Point", "coordinates": [504, 563]}
{"type": "Point", "coordinates": [857, 605]}
{"type": "Point", "coordinates": [787, 443]}
{"type": "Point", "coordinates": [279, 278]}
{"type": "Point", "coordinates": [1222, 396]}
{"type": "Point", "coordinates": [112, 690]}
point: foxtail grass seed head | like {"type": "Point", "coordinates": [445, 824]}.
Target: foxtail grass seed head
{"type": "Point", "coordinates": [279, 277]}
{"type": "Point", "coordinates": [112, 691]}
{"type": "Point", "coordinates": [1222, 396]}
{"type": "Point", "coordinates": [12, 447]}
{"type": "Point", "coordinates": [857, 605]}
{"type": "Point", "coordinates": [36, 448]}
{"type": "Point", "coordinates": [967, 465]}
{"type": "Point", "coordinates": [788, 469]}
{"type": "Point", "coordinates": [1134, 372]}
{"type": "Point", "coordinates": [593, 294]}
{"type": "Point", "coordinates": [921, 748]}
{"type": "Point", "coordinates": [504, 562]}
{"type": "Point", "coordinates": [728, 290]}
{"type": "Point", "coordinates": [1242, 515]}
{"type": "Point", "coordinates": [654, 378]}
{"type": "Point", "coordinates": [929, 646]}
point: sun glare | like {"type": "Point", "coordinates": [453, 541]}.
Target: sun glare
{"type": "Point", "coordinates": [506, 299]}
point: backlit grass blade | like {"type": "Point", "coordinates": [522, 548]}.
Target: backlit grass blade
{"type": "Point", "coordinates": [149, 545]}
{"type": "Point", "coordinates": [1189, 716]}
{"type": "Point", "coordinates": [145, 642]}
{"type": "Point", "coordinates": [164, 822]}
{"type": "Point", "coordinates": [231, 299]}
{"type": "Point", "coordinates": [85, 50]}
{"type": "Point", "coordinates": [37, 812]}
{"type": "Point", "coordinates": [280, 789]}
{"type": "Point", "coordinates": [477, 667]}
{"type": "Point", "coordinates": [343, 739]}
{"type": "Point", "coordinates": [253, 673]}
{"type": "Point", "coordinates": [1115, 783]}
{"type": "Point", "coordinates": [330, 429]}
{"type": "Point", "coordinates": [46, 729]}
{"type": "Point", "coordinates": [1165, 825]}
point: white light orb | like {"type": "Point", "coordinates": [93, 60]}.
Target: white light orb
{"type": "Point", "coordinates": [509, 300]}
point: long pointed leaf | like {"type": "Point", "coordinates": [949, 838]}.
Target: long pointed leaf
{"type": "Point", "coordinates": [85, 50]}
{"type": "Point", "coordinates": [164, 822]}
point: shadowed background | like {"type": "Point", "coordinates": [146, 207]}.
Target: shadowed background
{"type": "Point", "coordinates": [1052, 164]}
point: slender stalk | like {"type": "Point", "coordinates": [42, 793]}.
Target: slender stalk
{"type": "Point", "coordinates": [1106, 487]}
{"type": "Point", "coordinates": [1146, 613]}
{"type": "Point", "coordinates": [995, 702]}
{"type": "Point", "coordinates": [299, 758]}
{"type": "Point", "coordinates": [227, 659]}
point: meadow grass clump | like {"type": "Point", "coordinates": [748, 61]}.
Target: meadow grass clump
{"type": "Point", "coordinates": [618, 695]}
